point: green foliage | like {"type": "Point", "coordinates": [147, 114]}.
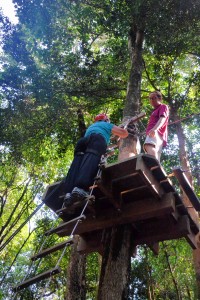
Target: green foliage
{"type": "Point", "coordinates": [169, 275]}
{"type": "Point", "coordinates": [69, 55]}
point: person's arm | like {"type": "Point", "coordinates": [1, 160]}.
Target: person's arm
{"type": "Point", "coordinates": [158, 125]}
{"type": "Point", "coordinates": [121, 132]}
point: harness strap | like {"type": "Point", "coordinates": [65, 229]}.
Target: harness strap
{"type": "Point", "coordinates": [89, 150]}
{"type": "Point", "coordinates": [79, 153]}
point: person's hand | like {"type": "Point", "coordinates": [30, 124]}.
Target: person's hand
{"type": "Point", "coordinates": [132, 129]}
{"type": "Point", "coordinates": [152, 133]}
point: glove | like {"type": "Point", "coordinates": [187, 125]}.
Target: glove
{"type": "Point", "coordinates": [131, 129]}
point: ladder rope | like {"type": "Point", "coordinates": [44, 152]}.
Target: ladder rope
{"type": "Point", "coordinates": [103, 160]}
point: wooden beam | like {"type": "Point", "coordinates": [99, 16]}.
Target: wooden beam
{"type": "Point", "coordinates": [63, 225]}
{"type": "Point", "coordinates": [51, 249]}
{"type": "Point", "coordinates": [163, 229]}
{"type": "Point", "coordinates": [86, 246]}
{"type": "Point", "coordinates": [131, 212]}
{"type": "Point", "coordinates": [37, 278]}
{"type": "Point", "coordinates": [148, 177]}
{"type": "Point", "coordinates": [186, 187]}
{"type": "Point", "coordinates": [154, 247]}
{"type": "Point", "coordinates": [191, 239]}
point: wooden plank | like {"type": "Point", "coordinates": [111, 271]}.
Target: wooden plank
{"type": "Point", "coordinates": [148, 178]}
{"type": "Point", "coordinates": [63, 225]}
{"type": "Point", "coordinates": [85, 246]}
{"type": "Point", "coordinates": [37, 278]}
{"type": "Point", "coordinates": [164, 229]}
{"type": "Point", "coordinates": [182, 210]}
{"type": "Point", "coordinates": [123, 184]}
{"type": "Point", "coordinates": [154, 247]}
{"type": "Point", "coordinates": [119, 169]}
{"type": "Point", "coordinates": [191, 241]}
{"type": "Point", "coordinates": [131, 212]}
{"type": "Point", "coordinates": [51, 249]}
{"type": "Point", "coordinates": [186, 187]}
{"type": "Point", "coordinates": [150, 161]}
{"type": "Point", "coordinates": [107, 193]}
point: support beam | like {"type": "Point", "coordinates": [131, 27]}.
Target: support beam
{"type": "Point", "coordinates": [163, 229]}
{"type": "Point", "coordinates": [130, 213]}
{"type": "Point", "coordinates": [186, 187]}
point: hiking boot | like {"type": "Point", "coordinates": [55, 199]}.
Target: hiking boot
{"type": "Point", "coordinates": [67, 200]}
{"type": "Point", "coordinates": [78, 194]}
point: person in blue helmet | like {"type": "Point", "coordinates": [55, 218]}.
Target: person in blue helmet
{"type": "Point", "coordinates": [87, 156]}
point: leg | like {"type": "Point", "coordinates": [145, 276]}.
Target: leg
{"type": "Point", "coordinates": [89, 166]}
{"type": "Point", "coordinates": [151, 149]}
{"type": "Point", "coordinates": [153, 146]}
{"type": "Point", "coordinates": [75, 166]}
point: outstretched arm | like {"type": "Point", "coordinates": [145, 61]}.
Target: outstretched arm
{"type": "Point", "coordinates": [121, 132]}
{"type": "Point", "coordinates": [158, 125]}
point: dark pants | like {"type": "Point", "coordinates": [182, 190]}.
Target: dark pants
{"type": "Point", "coordinates": [87, 156]}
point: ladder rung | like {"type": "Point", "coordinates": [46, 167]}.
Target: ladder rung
{"type": "Point", "coordinates": [37, 278]}
{"type": "Point", "coordinates": [63, 225]}
{"type": "Point", "coordinates": [51, 250]}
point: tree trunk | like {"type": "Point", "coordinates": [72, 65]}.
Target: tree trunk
{"type": "Point", "coordinates": [115, 271]}
{"type": "Point", "coordinates": [76, 286]}
{"type": "Point", "coordinates": [116, 262]}
{"type": "Point", "coordinates": [81, 122]}
{"type": "Point", "coordinates": [186, 166]}
{"type": "Point", "coordinates": [131, 146]}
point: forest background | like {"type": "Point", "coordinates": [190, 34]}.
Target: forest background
{"type": "Point", "coordinates": [62, 63]}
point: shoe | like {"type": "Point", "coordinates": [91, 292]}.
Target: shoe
{"type": "Point", "coordinates": [78, 194]}
{"type": "Point", "coordinates": [67, 200]}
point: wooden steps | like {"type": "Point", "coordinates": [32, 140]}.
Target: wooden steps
{"type": "Point", "coordinates": [63, 225]}
{"type": "Point", "coordinates": [51, 250]}
{"type": "Point", "coordinates": [37, 278]}
{"type": "Point", "coordinates": [186, 187]}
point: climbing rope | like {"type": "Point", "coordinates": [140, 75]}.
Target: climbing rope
{"type": "Point", "coordinates": [79, 219]}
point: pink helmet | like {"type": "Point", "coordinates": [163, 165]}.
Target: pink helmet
{"type": "Point", "coordinates": [101, 117]}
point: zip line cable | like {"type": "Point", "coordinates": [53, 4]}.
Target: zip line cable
{"type": "Point", "coordinates": [28, 219]}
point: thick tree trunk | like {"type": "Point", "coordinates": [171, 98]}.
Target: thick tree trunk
{"type": "Point", "coordinates": [131, 146]}
{"type": "Point", "coordinates": [132, 104]}
{"type": "Point", "coordinates": [115, 271]}
{"type": "Point", "coordinates": [186, 166]}
{"type": "Point", "coordinates": [114, 278]}
{"type": "Point", "coordinates": [76, 286]}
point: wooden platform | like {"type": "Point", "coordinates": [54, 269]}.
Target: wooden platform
{"type": "Point", "coordinates": [135, 191]}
